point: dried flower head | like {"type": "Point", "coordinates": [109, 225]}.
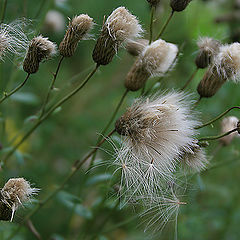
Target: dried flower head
{"type": "Point", "coordinates": [54, 21]}
{"type": "Point", "coordinates": [12, 38]}
{"type": "Point", "coordinates": [14, 193]}
{"type": "Point", "coordinates": [226, 65]}
{"type": "Point", "coordinates": [119, 27]}
{"type": "Point", "coordinates": [40, 48]}
{"type": "Point", "coordinates": [179, 5]}
{"type": "Point", "coordinates": [78, 28]}
{"type": "Point", "coordinates": [195, 160]}
{"type": "Point", "coordinates": [228, 124]}
{"type": "Point", "coordinates": [155, 60]}
{"type": "Point", "coordinates": [157, 131]}
{"type": "Point", "coordinates": [153, 3]}
{"type": "Point", "coordinates": [136, 47]}
{"type": "Point", "coordinates": [208, 48]}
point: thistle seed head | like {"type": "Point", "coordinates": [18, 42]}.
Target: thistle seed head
{"type": "Point", "coordinates": [153, 3]}
{"type": "Point", "coordinates": [12, 38]}
{"type": "Point", "coordinates": [78, 28]}
{"type": "Point", "coordinates": [39, 49]}
{"type": "Point", "coordinates": [119, 27]}
{"type": "Point", "coordinates": [157, 131]}
{"type": "Point", "coordinates": [228, 124]}
{"type": "Point", "coordinates": [14, 193]}
{"type": "Point", "coordinates": [179, 5]}
{"type": "Point", "coordinates": [136, 47]}
{"type": "Point", "coordinates": [210, 83]}
{"type": "Point", "coordinates": [155, 60]}
{"type": "Point", "coordinates": [208, 48]}
{"type": "Point", "coordinates": [227, 61]}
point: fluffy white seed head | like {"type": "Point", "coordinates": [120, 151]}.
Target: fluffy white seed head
{"type": "Point", "coordinates": [227, 61]}
{"type": "Point", "coordinates": [228, 124]}
{"type": "Point", "coordinates": [157, 131]}
{"type": "Point", "coordinates": [158, 57]}
{"type": "Point", "coordinates": [122, 25]}
{"type": "Point", "coordinates": [136, 47]}
{"type": "Point", "coordinates": [54, 21]}
{"type": "Point", "coordinates": [13, 38]}
{"type": "Point", "coordinates": [14, 193]}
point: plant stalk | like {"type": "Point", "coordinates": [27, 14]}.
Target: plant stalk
{"type": "Point", "coordinates": [165, 25]}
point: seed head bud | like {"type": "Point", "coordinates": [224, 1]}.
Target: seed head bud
{"type": "Point", "coordinates": [228, 124]}
{"type": "Point", "coordinates": [155, 60]}
{"type": "Point", "coordinates": [208, 48]}
{"type": "Point", "coordinates": [153, 3]}
{"type": "Point", "coordinates": [14, 193]}
{"type": "Point", "coordinates": [179, 5]}
{"type": "Point", "coordinates": [39, 49]}
{"type": "Point", "coordinates": [78, 28]}
{"type": "Point", "coordinates": [226, 65]}
{"type": "Point", "coordinates": [119, 27]}
{"type": "Point", "coordinates": [135, 47]}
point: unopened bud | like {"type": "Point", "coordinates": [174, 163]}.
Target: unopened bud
{"type": "Point", "coordinates": [119, 27]}
{"type": "Point", "coordinates": [208, 48]}
{"type": "Point", "coordinates": [179, 5]}
{"type": "Point", "coordinates": [40, 48]}
{"type": "Point", "coordinates": [136, 47]}
{"type": "Point", "coordinates": [78, 28]}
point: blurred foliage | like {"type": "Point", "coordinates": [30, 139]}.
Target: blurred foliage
{"type": "Point", "coordinates": [87, 207]}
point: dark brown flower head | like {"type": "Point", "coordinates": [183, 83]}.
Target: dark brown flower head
{"type": "Point", "coordinates": [40, 48]}
{"type": "Point", "coordinates": [179, 5]}
{"type": "Point", "coordinates": [119, 27]}
{"type": "Point", "coordinates": [78, 28]}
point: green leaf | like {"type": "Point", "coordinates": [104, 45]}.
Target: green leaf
{"type": "Point", "coordinates": [99, 178]}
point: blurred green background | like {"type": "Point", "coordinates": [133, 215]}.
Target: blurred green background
{"type": "Point", "coordinates": [86, 206]}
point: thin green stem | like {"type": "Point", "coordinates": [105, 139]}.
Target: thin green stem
{"type": "Point", "coordinates": [75, 167]}
{"type": "Point", "coordinates": [219, 136]}
{"type": "Point", "coordinates": [217, 118]}
{"type": "Point", "coordinates": [190, 79]}
{"type": "Point", "coordinates": [165, 25]}
{"type": "Point", "coordinates": [51, 87]}
{"type": "Point", "coordinates": [6, 95]}
{"type": "Point", "coordinates": [38, 123]}
{"type": "Point", "coordinates": [151, 25]}
{"type": "Point", "coordinates": [110, 122]}
{"type": "Point", "coordinates": [4, 7]}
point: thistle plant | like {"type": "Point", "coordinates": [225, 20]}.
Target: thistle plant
{"type": "Point", "coordinates": [158, 142]}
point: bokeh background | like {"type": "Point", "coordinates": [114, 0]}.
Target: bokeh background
{"type": "Point", "coordinates": [85, 209]}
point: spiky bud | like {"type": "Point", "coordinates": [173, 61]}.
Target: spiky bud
{"type": "Point", "coordinates": [228, 124]}
{"type": "Point", "coordinates": [135, 47]}
{"type": "Point", "coordinates": [226, 65]}
{"type": "Point", "coordinates": [208, 48]}
{"type": "Point", "coordinates": [14, 193]}
{"type": "Point", "coordinates": [119, 27]}
{"type": "Point", "coordinates": [155, 60]}
{"type": "Point", "coordinates": [179, 5]}
{"type": "Point", "coordinates": [78, 28]}
{"type": "Point", "coordinates": [153, 3]}
{"type": "Point", "coordinates": [39, 49]}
